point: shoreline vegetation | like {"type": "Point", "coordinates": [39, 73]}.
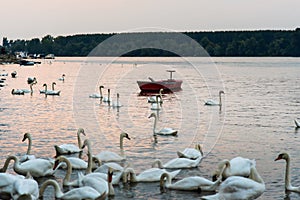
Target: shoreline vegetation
{"type": "Point", "coordinates": [260, 43]}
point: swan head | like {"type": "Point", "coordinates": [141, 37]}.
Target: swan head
{"type": "Point", "coordinates": [221, 168]}
{"type": "Point", "coordinates": [101, 86]}
{"type": "Point", "coordinates": [199, 148]}
{"type": "Point", "coordinates": [44, 85]}
{"type": "Point", "coordinates": [53, 83]}
{"type": "Point", "coordinates": [152, 115]}
{"type": "Point", "coordinates": [81, 130]}
{"type": "Point", "coordinates": [125, 135]}
{"type": "Point", "coordinates": [283, 156]}
{"type": "Point", "coordinates": [221, 92]}
{"type": "Point", "coordinates": [26, 135]}
{"type": "Point", "coordinates": [12, 91]}
{"type": "Point", "coordinates": [86, 142]}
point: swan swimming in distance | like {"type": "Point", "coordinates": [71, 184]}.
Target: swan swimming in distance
{"type": "Point", "coordinates": [152, 99]}
{"type": "Point", "coordinates": [107, 99]}
{"type": "Point", "coordinates": [70, 148]}
{"type": "Point", "coordinates": [62, 78]}
{"type": "Point", "coordinates": [240, 188]}
{"type": "Point", "coordinates": [117, 103]}
{"type": "Point", "coordinates": [164, 131]}
{"type": "Point", "coordinates": [156, 105]}
{"type": "Point", "coordinates": [97, 95]}
{"type": "Point", "coordinates": [288, 185]}
{"type": "Point", "coordinates": [17, 92]}
{"type": "Point", "coordinates": [212, 102]}
{"type": "Point", "coordinates": [31, 88]}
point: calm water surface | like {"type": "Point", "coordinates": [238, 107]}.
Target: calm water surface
{"type": "Point", "coordinates": [256, 120]}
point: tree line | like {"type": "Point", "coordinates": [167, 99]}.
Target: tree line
{"type": "Point", "coordinates": [217, 43]}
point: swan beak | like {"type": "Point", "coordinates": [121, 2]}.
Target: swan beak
{"type": "Point", "coordinates": [55, 164]}
{"type": "Point", "coordinates": [127, 136]}
{"type": "Point", "coordinates": [278, 158]}
{"type": "Point", "coordinates": [110, 174]}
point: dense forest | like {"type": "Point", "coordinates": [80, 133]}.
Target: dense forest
{"type": "Point", "coordinates": [218, 43]}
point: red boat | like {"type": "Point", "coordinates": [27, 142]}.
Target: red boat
{"type": "Point", "coordinates": [154, 86]}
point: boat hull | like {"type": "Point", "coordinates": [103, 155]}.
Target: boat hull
{"type": "Point", "coordinates": [167, 85]}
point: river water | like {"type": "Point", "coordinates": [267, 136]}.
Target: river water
{"type": "Point", "coordinates": [262, 98]}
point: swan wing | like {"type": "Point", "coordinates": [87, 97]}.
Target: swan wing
{"type": "Point", "coordinates": [191, 183]}
{"type": "Point", "coordinates": [97, 183]}
{"type": "Point", "coordinates": [167, 131]}
{"type": "Point", "coordinates": [77, 163]}
{"type": "Point", "coordinates": [95, 95]}
{"type": "Point", "coordinates": [37, 167]}
{"type": "Point", "coordinates": [26, 187]}
{"type": "Point", "coordinates": [190, 153]}
{"type": "Point", "coordinates": [81, 193]}
{"type": "Point", "coordinates": [67, 149]}
{"type": "Point", "coordinates": [240, 166]}
{"type": "Point", "coordinates": [108, 156]}
{"type": "Point", "coordinates": [104, 167]}
{"type": "Point", "coordinates": [211, 102]}
{"type": "Point", "coordinates": [182, 163]}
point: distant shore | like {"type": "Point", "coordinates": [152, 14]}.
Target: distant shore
{"type": "Point", "coordinates": [8, 58]}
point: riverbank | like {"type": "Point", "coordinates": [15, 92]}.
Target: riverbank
{"type": "Point", "coordinates": [8, 58]}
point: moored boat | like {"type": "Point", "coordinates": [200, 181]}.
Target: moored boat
{"type": "Point", "coordinates": [154, 86]}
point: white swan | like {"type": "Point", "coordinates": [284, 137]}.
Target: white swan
{"type": "Point", "coordinates": [17, 92]}
{"type": "Point", "coordinates": [149, 175]}
{"type": "Point", "coordinates": [107, 99]}
{"type": "Point", "coordinates": [25, 188]}
{"type": "Point", "coordinates": [190, 183]}
{"type": "Point", "coordinates": [7, 184]}
{"type": "Point", "coordinates": [37, 167]}
{"type": "Point", "coordinates": [239, 166]}
{"type": "Point", "coordinates": [70, 148]}
{"type": "Point", "coordinates": [97, 95]}
{"type": "Point", "coordinates": [152, 99]}
{"type": "Point", "coordinates": [177, 163]}
{"type": "Point", "coordinates": [62, 78]}
{"type": "Point", "coordinates": [157, 105]}
{"type": "Point", "coordinates": [27, 156]}
{"type": "Point", "coordinates": [288, 185]}
{"type": "Point", "coordinates": [164, 131]}
{"type": "Point", "coordinates": [240, 188]}
{"type": "Point", "coordinates": [211, 102]}
{"type": "Point", "coordinates": [297, 123]}
{"type": "Point", "coordinates": [51, 92]}
{"type": "Point", "coordinates": [117, 103]}
{"type": "Point", "coordinates": [74, 194]}
{"type": "Point", "coordinates": [191, 153]}
{"type": "Point", "coordinates": [108, 156]}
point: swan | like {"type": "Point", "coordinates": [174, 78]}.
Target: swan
{"type": "Point", "coordinates": [297, 123]}
{"type": "Point", "coordinates": [7, 183]}
{"type": "Point", "coordinates": [152, 99]}
{"type": "Point", "coordinates": [31, 80]}
{"type": "Point", "coordinates": [51, 92]}
{"type": "Point", "coordinates": [288, 185]}
{"type": "Point", "coordinates": [240, 188]}
{"type": "Point", "coordinates": [156, 105]}
{"type": "Point", "coordinates": [108, 156]}
{"type": "Point", "coordinates": [96, 95]}
{"type": "Point", "coordinates": [149, 175]}
{"type": "Point", "coordinates": [37, 167]}
{"type": "Point", "coordinates": [211, 102]}
{"type": "Point", "coordinates": [107, 99]}
{"type": "Point", "coordinates": [117, 103]}
{"type": "Point", "coordinates": [25, 188]}
{"type": "Point", "coordinates": [28, 156]}
{"type": "Point", "coordinates": [17, 92]}
{"type": "Point", "coordinates": [177, 163]}
{"type": "Point", "coordinates": [164, 131]}
{"type": "Point", "coordinates": [70, 148]}
{"type": "Point", "coordinates": [14, 74]}
{"type": "Point", "coordinates": [62, 78]}
{"type": "Point", "coordinates": [85, 192]}
{"type": "Point", "coordinates": [191, 183]}
{"type": "Point", "coordinates": [239, 166]}
{"type": "Point", "coordinates": [191, 153]}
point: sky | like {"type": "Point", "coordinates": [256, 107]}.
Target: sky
{"type": "Point", "coordinates": [29, 19]}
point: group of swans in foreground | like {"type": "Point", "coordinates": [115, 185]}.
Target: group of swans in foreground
{"type": "Point", "coordinates": [234, 179]}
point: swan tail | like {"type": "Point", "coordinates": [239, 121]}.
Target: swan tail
{"type": "Point", "coordinates": [175, 173]}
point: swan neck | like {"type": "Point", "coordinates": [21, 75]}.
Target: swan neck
{"type": "Point", "coordinates": [4, 168]}
{"type": "Point", "coordinates": [53, 86]}
{"type": "Point", "coordinates": [121, 141]}
{"type": "Point", "coordinates": [154, 125]}
{"type": "Point", "coordinates": [131, 172]}
{"type": "Point", "coordinates": [31, 90]}
{"type": "Point", "coordinates": [29, 145]}
{"type": "Point", "coordinates": [158, 162]}
{"type": "Point", "coordinates": [90, 160]}
{"type": "Point", "coordinates": [58, 192]}
{"type": "Point", "coordinates": [69, 171]}
{"type": "Point", "coordinates": [45, 88]}
{"type": "Point", "coordinates": [287, 173]}
{"type": "Point", "coordinates": [220, 99]}
{"type": "Point", "coordinates": [79, 139]}
{"type": "Point", "coordinates": [162, 179]}
{"type": "Point", "coordinates": [254, 175]}
{"type": "Point", "coordinates": [100, 88]}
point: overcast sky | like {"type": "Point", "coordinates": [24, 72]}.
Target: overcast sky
{"type": "Point", "coordinates": [27, 19]}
